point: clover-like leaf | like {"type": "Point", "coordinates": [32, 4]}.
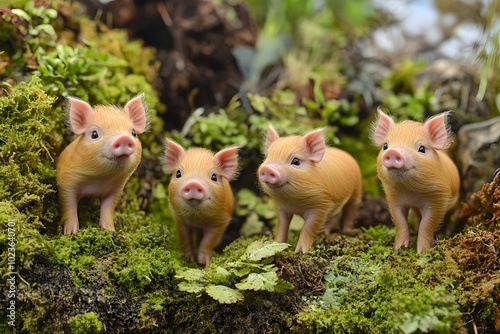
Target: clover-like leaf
{"type": "Point", "coordinates": [191, 275]}
{"type": "Point", "coordinates": [259, 282]}
{"type": "Point", "coordinates": [224, 294]}
{"type": "Point", "coordinates": [259, 250]}
{"type": "Point", "coordinates": [192, 287]}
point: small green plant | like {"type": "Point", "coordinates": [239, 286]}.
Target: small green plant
{"type": "Point", "coordinates": [235, 126]}
{"type": "Point", "coordinates": [86, 323]}
{"type": "Point", "coordinates": [403, 97]}
{"type": "Point", "coordinates": [253, 271]}
{"type": "Point", "coordinates": [258, 210]}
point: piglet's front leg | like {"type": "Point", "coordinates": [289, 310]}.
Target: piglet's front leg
{"type": "Point", "coordinates": [185, 239]}
{"type": "Point", "coordinates": [428, 224]}
{"type": "Point", "coordinates": [284, 219]}
{"type": "Point", "coordinates": [108, 204]}
{"type": "Point", "coordinates": [400, 216]}
{"type": "Point", "coordinates": [70, 213]}
{"type": "Point", "coordinates": [313, 222]}
{"type": "Point", "coordinates": [211, 237]}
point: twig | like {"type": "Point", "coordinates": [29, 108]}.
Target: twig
{"type": "Point", "coordinates": [162, 9]}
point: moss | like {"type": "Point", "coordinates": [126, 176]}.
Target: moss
{"type": "Point", "coordinates": [31, 134]}
{"type": "Point", "coordinates": [475, 253]}
{"type": "Point", "coordinates": [86, 323]}
{"type": "Point", "coordinates": [141, 267]}
{"type": "Point", "coordinates": [16, 229]}
{"type": "Point", "coordinates": [377, 289]}
{"type": "Point", "coordinates": [135, 259]}
{"type": "Point", "coordinates": [32, 319]}
{"type": "Point", "coordinates": [77, 252]}
{"type": "Point", "coordinates": [151, 308]}
{"type": "Point", "coordinates": [483, 207]}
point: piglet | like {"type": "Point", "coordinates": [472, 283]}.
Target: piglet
{"type": "Point", "coordinates": [200, 197]}
{"type": "Point", "coordinates": [416, 174]}
{"type": "Point", "coordinates": [101, 160]}
{"type": "Point", "coordinates": [305, 177]}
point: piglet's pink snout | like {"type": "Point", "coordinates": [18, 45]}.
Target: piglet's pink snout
{"type": "Point", "coordinates": [269, 174]}
{"type": "Point", "coordinates": [393, 158]}
{"type": "Point", "coordinates": [193, 190]}
{"type": "Point", "coordinates": [123, 146]}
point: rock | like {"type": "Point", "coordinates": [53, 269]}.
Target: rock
{"type": "Point", "coordinates": [478, 153]}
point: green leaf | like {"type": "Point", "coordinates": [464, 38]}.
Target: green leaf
{"type": "Point", "coordinates": [222, 272]}
{"type": "Point", "coordinates": [191, 275]}
{"type": "Point", "coordinates": [258, 282]}
{"type": "Point", "coordinates": [349, 121]}
{"type": "Point", "coordinates": [51, 13]}
{"type": "Point", "coordinates": [192, 287]}
{"type": "Point", "coordinates": [242, 272]}
{"type": "Point", "coordinates": [259, 250]}
{"type": "Point", "coordinates": [224, 294]}
{"type": "Point", "coordinates": [47, 28]}
{"type": "Point", "coordinates": [410, 325]}
{"type": "Point", "coordinates": [258, 102]}
{"type": "Point", "coordinates": [22, 14]}
{"type": "Point", "coordinates": [282, 286]}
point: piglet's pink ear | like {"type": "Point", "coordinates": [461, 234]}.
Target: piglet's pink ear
{"type": "Point", "coordinates": [80, 112]}
{"type": "Point", "coordinates": [314, 143]}
{"type": "Point", "coordinates": [227, 160]}
{"type": "Point", "coordinates": [173, 155]}
{"type": "Point", "coordinates": [271, 136]}
{"type": "Point", "coordinates": [381, 128]}
{"type": "Point", "coordinates": [438, 131]}
{"type": "Point", "coordinates": [136, 110]}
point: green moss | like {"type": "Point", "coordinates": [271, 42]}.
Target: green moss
{"type": "Point", "coordinates": [475, 254]}
{"type": "Point", "coordinates": [31, 134]}
{"type": "Point", "coordinates": [142, 267]}
{"type": "Point", "coordinates": [151, 308]}
{"type": "Point", "coordinates": [87, 323]}
{"type": "Point", "coordinates": [378, 289]}
{"type": "Point", "coordinates": [135, 259]}
{"type": "Point", "coordinates": [33, 317]}
{"type": "Point", "coordinates": [74, 251]}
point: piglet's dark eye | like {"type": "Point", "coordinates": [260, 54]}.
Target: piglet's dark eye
{"type": "Point", "coordinates": [386, 146]}
{"type": "Point", "coordinates": [421, 149]}
{"type": "Point", "coordinates": [134, 134]}
{"type": "Point", "coordinates": [295, 162]}
{"type": "Point", "coordinates": [94, 135]}
{"type": "Point", "coordinates": [178, 174]}
{"type": "Point", "coordinates": [213, 177]}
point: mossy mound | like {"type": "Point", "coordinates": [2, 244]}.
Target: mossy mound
{"type": "Point", "coordinates": [355, 283]}
{"type": "Point", "coordinates": [344, 284]}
